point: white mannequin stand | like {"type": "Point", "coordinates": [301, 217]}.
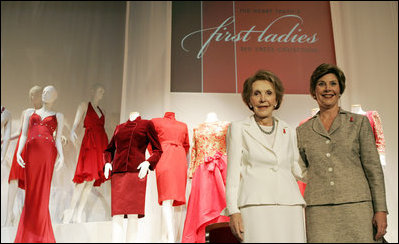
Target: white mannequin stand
{"type": "Point", "coordinates": [357, 109]}
{"type": "Point", "coordinates": [82, 191]}
{"type": "Point", "coordinates": [48, 97]}
{"type": "Point", "coordinates": [211, 117]}
{"type": "Point", "coordinates": [167, 214]}
{"type": "Point", "coordinates": [118, 232]}
{"type": "Point", "coordinates": [35, 95]}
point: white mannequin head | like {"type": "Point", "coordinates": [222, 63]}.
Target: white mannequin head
{"type": "Point", "coordinates": [35, 95]}
{"type": "Point", "coordinates": [49, 94]}
{"type": "Point", "coordinates": [97, 92]}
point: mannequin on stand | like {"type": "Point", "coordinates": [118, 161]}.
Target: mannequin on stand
{"type": "Point", "coordinates": [171, 171]}
{"type": "Point", "coordinates": [211, 117]}
{"type": "Point", "coordinates": [39, 161]}
{"type": "Point", "coordinates": [17, 174]}
{"type": "Point", "coordinates": [376, 125]}
{"type": "Point", "coordinates": [128, 181]}
{"type": "Point", "coordinates": [208, 172]}
{"type": "Point", "coordinates": [90, 161]}
{"type": "Point", "coordinates": [6, 134]}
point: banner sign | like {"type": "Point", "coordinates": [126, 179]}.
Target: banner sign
{"type": "Point", "coordinates": [216, 45]}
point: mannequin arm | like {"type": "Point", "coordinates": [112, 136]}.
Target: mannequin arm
{"type": "Point", "coordinates": [382, 159]}
{"type": "Point", "coordinates": [107, 169]}
{"type": "Point", "coordinates": [80, 113]}
{"type": "Point", "coordinates": [144, 168]}
{"type": "Point", "coordinates": [6, 136]}
{"type": "Point", "coordinates": [24, 133]}
{"type": "Point", "coordinates": [58, 143]}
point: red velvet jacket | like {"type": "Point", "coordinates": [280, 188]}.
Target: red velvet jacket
{"type": "Point", "coordinates": [127, 147]}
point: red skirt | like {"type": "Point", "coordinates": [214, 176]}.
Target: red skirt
{"type": "Point", "coordinates": [128, 194]}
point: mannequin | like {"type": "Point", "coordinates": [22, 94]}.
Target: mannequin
{"type": "Point", "coordinates": [88, 165]}
{"type": "Point", "coordinates": [39, 160]}
{"type": "Point", "coordinates": [376, 125]}
{"type": "Point", "coordinates": [6, 124]}
{"type": "Point", "coordinates": [171, 171]}
{"type": "Point", "coordinates": [16, 177]}
{"type": "Point", "coordinates": [314, 111]}
{"type": "Point", "coordinates": [211, 117]}
{"type": "Point", "coordinates": [208, 173]}
{"type": "Point", "coordinates": [118, 232]}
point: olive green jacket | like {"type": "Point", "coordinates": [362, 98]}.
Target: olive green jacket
{"type": "Point", "coordinates": [342, 165]}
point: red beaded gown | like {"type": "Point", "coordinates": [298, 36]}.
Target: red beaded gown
{"type": "Point", "coordinates": [40, 155]}
{"type": "Point", "coordinates": [95, 141]}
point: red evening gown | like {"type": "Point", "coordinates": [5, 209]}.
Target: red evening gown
{"type": "Point", "coordinates": [17, 172]}
{"type": "Point", "coordinates": [90, 163]}
{"type": "Point", "coordinates": [40, 155]}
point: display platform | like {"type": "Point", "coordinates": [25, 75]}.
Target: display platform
{"type": "Point", "coordinates": [75, 233]}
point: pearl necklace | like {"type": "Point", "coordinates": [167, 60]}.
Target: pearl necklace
{"type": "Point", "coordinates": [267, 132]}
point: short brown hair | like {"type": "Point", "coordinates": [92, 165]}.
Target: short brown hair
{"type": "Point", "coordinates": [263, 75]}
{"type": "Point", "coordinates": [324, 69]}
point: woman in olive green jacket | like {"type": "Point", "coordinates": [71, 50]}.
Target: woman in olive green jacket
{"type": "Point", "coordinates": [345, 191]}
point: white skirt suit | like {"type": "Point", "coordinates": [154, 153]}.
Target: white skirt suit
{"type": "Point", "coordinates": [261, 184]}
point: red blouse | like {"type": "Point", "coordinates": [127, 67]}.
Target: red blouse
{"type": "Point", "coordinates": [127, 147]}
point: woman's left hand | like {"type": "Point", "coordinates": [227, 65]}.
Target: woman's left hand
{"type": "Point", "coordinates": [380, 223]}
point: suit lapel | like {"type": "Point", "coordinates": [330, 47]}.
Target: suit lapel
{"type": "Point", "coordinates": [318, 127]}
{"type": "Point", "coordinates": [280, 135]}
{"type": "Point", "coordinates": [253, 130]}
{"type": "Point", "coordinates": [336, 124]}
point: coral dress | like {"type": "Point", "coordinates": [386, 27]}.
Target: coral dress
{"type": "Point", "coordinates": [90, 163]}
{"type": "Point", "coordinates": [17, 172]}
{"type": "Point", "coordinates": [171, 170]}
{"type": "Point", "coordinates": [40, 155]}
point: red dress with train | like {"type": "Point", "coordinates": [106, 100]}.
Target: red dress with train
{"type": "Point", "coordinates": [90, 163]}
{"type": "Point", "coordinates": [208, 167]}
{"type": "Point", "coordinates": [40, 155]}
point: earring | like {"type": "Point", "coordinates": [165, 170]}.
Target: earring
{"type": "Point", "coordinates": [250, 106]}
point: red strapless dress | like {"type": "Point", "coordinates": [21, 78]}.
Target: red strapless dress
{"type": "Point", "coordinates": [40, 155]}
{"type": "Point", "coordinates": [95, 141]}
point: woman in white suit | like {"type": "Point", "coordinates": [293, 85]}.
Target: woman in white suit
{"type": "Point", "coordinates": [263, 199]}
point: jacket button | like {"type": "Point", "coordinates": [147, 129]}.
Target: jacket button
{"type": "Point", "coordinates": [328, 155]}
{"type": "Point", "coordinates": [332, 183]}
{"type": "Point", "coordinates": [330, 169]}
{"type": "Point", "coordinates": [328, 142]}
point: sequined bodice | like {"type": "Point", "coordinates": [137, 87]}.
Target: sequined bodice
{"type": "Point", "coordinates": [42, 128]}
{"type": "Point", "coordinates": [209, 139]}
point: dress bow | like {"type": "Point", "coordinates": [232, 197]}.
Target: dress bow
{"type": "Point", "coordinates": [214, 161]}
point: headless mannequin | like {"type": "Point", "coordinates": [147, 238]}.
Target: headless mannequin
{"type": "Point", "coordinates": [6, 124]}
{"type": "Point", "coordinates": [35, 95]}
{"type": "Point", "coordinates": [82, 190]}
{"type": "Point", "coordinates": [48, 98]}
{"type": "Point", "coordinates": [211, 117]}
{"type": "Point", "coordinates": [357, 109]}
{"type": "Point", "coordinates": [118, 232]}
